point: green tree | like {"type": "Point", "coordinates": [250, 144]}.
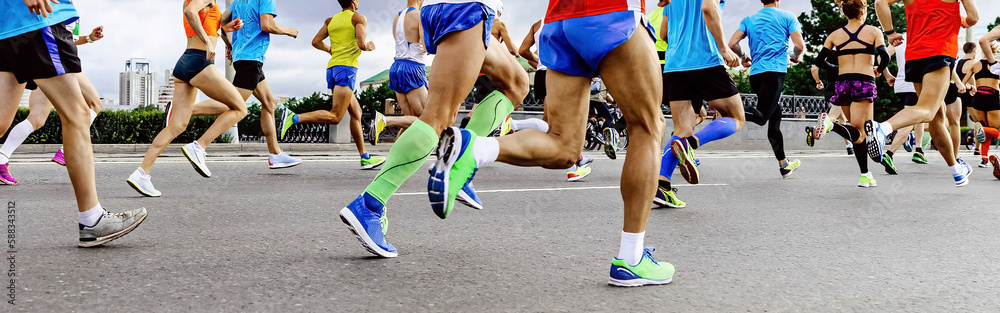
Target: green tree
{"type": "Point", "coordinates": [373, 99]}
{"type": "Point", "coordinates": [315, 102]}
{"type": "Point", "coordinates": [994, 24]}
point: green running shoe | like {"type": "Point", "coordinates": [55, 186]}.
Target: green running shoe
{"type": "Point", "coordinates": [790, 168]}
{"type": "Point", "coordinates": [685, 159]}
{"type": "Point", "coordinates": [810, 136]}
{"type": "Point", "coordinates": [668, 198]}
{"type": "Point", "coordinates": [918, 157]}
{"type": "Point", "coordinates": [647, 272]}
{"type": "Point", "coordinates": [384, 221]}
{"type": "Point", "coordinates": [372, 162]}
{"type": "Point", "coordinates": [890, 168]}
{"type": "Point", "coordinates": [286, 122]}
{"type": "Point", "coordinates": [866, 182]}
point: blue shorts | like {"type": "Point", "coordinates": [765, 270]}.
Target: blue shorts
{"type": "Point", "coordinates": [442, 19]}
{"type": "Point", "coordinates": [341, 76]}
{"type": "Point", "coordinates": [406, 75]}
{"type": "Point", "coordinates": [576, 46]}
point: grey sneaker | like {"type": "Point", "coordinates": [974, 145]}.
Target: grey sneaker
{"type": "Point", "coordinates": [142, 184]}
{"type": "Point", "coordinates": [111, 226]}
{"type": "Point", "coordinates": [282, 160]}
{"type": "Point", "coordinates": [196, 155]}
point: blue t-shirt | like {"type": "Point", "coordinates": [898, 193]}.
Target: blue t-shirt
{"type": "Point", "coordinates": [250, 42]}
{"type": "Point", "coordinates": [17, 20]}
{"type": "Point", "coordinates": [690, 45]}
{"type": "Point", "coordinates": [768, 31]}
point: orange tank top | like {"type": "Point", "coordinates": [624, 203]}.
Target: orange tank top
{"type": "Point", "coordinates": [932, 27]}
{"type": "Point", "coordinates": [211, 21]}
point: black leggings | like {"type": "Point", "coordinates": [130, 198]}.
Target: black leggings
{"type": "Point", "coordinates": [768, 86]}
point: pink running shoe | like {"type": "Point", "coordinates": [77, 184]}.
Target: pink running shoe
{"type": "Point", "coordinates": [5, 175]}
{"type": "Point", "coordinates": [59, 158]}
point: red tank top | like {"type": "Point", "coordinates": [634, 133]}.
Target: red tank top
{"type": "Point", "coordinates": [211, 21]}
{"type": "Point", "coordinates": [567, 9]}
{"type": "Point", "coordinates": [932, 29]}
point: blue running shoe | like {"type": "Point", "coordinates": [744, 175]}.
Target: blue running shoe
{"type": "Point", "coordinates": [962, 179]}
{"type": "Point", "coordinates": [647, 272]}
{"type": "Point", "coordinates": [368, 225]}
{"type": "Point", "coordinates": [468, 197]}
{"type": "Point", "coordinates": [910, 143]}
{"type": "Point", "coordinates": [455, 167]}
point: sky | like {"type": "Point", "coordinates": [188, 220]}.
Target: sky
{"type": "Point", "coordinates": [153, 29]}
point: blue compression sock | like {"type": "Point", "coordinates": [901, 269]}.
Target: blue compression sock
{"type": "Point", "coordinates": [718, 129]}
{"type": "Point", "coordinates": [669, 162]}
{"type": "Point", "coordinates": [366, 156]}
{"type": "Point", "coordinates": [295, 119]}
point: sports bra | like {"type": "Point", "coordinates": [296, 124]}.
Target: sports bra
{"type": "Point", "coordinates": [985, 71]}
{"type": "Point", "coordinates": [868, 49]}
{"type": "Point", "coordinates": [211, 21]}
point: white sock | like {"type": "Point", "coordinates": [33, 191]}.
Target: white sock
{"type": "Point", "coordinates": [93, 116]}
{"type": "Point", "coordinates": [886, 127]}
{"type": "Point", "coordinates": [957, 169]}
{"type": "Point", "coordinates": [869, 175]}
{"type": "Point", "coordinates": [90, 217]}
{"type": "Point", "coordinates": [18, 134]}
{"type": "Point", "coordinates": [572, 168]}
{"type": "Point", "coordinates": [631, 248]}
{"type": "Point", "coordinates": [531, 123]}
{"type": "Point", "coordinates": [485, 150]}
{"type": "Point", "coordinates": [142, 173]}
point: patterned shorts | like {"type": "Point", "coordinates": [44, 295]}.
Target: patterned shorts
{"type": "Point", "coordinates": [846, 92]}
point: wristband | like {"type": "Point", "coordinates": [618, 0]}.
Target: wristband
{"type": "Point", "coordinates": [89, 40]}
{"type": "Point", "coordinates": [889, 32]}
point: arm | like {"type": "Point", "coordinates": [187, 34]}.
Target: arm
{"type": "Point", "coordinates": [321, 36]}
{"type": "Point", "coordinates": [505, 36]}
{"type": "Point", "coordinates": [984, 43]}
{"type": "Point", "coordinates": [821, 59]}
{"type": "Point", "coordinates": [885, 19]}
{"type": "Point", "coordinates": [710, 8]}
{"type": "Point", "coordinates": [734, 43]}
{"type": "Point", "coordinates": [191, 14]}
{"type": "Point", "coordinates": [227, 17]}
{"type": "Point", "coordinates": [529, 40]}
{"type": "Point", "coordinates": [94, 36]}
{"type": "Point", "coordinates": [800, 47]}
{"type": "Point", "coordinates": [663, 29]}
{"type": "Point", "coordinates": [360, 24]}
{"type": "Point", "coordinates": [268, 25]}
{"type": "Point", "coordinates": [972, 13]}
{"type": "Point", "coordinates": [969, 78]}
{"type": "Point", "coordinates": [958, 82]}
{"type": "Point", "coordinates": [883, 55]}
{"type": "Point", "coordinates": [815, 75]}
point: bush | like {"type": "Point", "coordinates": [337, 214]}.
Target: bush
{"type": "Point", "coordinates": [250, 125]}
{"type": "Point", "coordinates": [116, 127]}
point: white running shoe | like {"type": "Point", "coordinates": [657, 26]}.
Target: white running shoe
{"type": "Point", "coordinates": [142, 184]}
{"type": "Point", "coordinates": [282, 160]}
{"type": "Point", "coordinates": [196, 155]}
{"type": "Point", "coordinates": [111, 226]}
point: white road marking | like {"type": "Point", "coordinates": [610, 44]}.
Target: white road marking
{"type": "Point", "coordinates": [552, 189]}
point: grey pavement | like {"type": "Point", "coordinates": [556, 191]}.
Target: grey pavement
{"type": "Point", "coordinates": [254, 239]}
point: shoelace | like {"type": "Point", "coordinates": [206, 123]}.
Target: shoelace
{"type": "Point", "coordinates": [121, 215]}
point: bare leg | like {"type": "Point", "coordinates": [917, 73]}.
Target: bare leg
{"type": "Point", "coordinates": [209, 107]}
{"type": "Point", "coordinates": [39, 109]}
{"type": "Point", "coordinates": [90, 94]}
{"type": "Point", "coordinates": [184, 97]}
{"type": "Point", "coordinates": [954, 113]}
{"type": "Point", "coordinates": [930, 106]}
{"type": "Point", "coordinates": [459, 59]}
{"type": "Point", "coordinates": [65, 94]}
{"type": "Point", "coordinates": [341, 97]}
{"type": "Point", "coordinates": [215, 86]}
{"type": "Point", "coordinates": [10, 96]}
{"type": "Point", "coordinates": [901, 136]}
{"type": "Point", "coordinates": [268, 103]}
{"type": "Point", "coordinates": [356, 131]}
{"type": "Point", "coordinates": [918, 134]}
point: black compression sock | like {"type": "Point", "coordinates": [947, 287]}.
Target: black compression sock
{"type": "Point", "coordinates": [920, 150]}
{"type": "Point", "coordinates": [889, 153]}
{"type": "Point", "coordinates": [861, 153]}
{"type": "Point", "coordinates": [665, 184]}
{"type": "Point", "coordinates": [693, 142]}
{"type": "Point", "coordinates": [465, 122]}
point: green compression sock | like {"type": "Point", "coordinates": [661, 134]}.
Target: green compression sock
{"type": "Point", "coordinates": [405, 157]}
{"type": "Point", "coordinates": [490, 113]}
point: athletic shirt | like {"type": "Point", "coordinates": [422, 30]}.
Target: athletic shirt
{"type": "Point", "coordinates": [868, 48]}
{"type": "Point", "coordinates": [250, 43]}
{"type": "Point", "coordinates": [344, 50]}
{"type": "Point", "coordinates": [566, 9]}
{"type": "Point", "coordinates": [901, 84]}
{"type": "Point", "coordinates": [17, 20]}
{"type": "Point", "coordinates": [933, 28]}
{"type": "Point", "coordinates": [656, 19]}
{"type": "Point", "coordinates": [406, 50]}
{"type": "Point", "coordinates": [211, 21]}
{"type": "Point", "coordinates": [538, 35]}
{"type": "Point", "coordinates": [768, 31]}
{"type": "Point", "coordinates": [985, 71]}
{"type": "Point", "coordinates": [693, 46]}
{"type": "Point", "coordinates": [496, 5]}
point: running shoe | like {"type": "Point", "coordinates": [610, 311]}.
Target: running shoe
{"type": "Point", "coordinates": [919, 158]}
{"type": "Point", "coordinates": [585, 161]}
{"type": "Point", "coordinates": [910, 142]}
{"type": "Point", "coordinates": [282, 160]}
{"type": "Point", "coordinates": [668, 199]}
{"type": "Point", "coordinates": [866, 182]}
{"type": "Point", "coordinates": [611, 145]}
{"type": "Point", "coordinates": [196, 155]}
{"type": "Point", "coordinates": [996, 165]}
{"type": "Point", "coordinates": [468, 197]}
{"type": "Point", "coordinates": [890, 168]}
{"type": "Point", "coordinates": [110, 226]}
{"type": "Point", "coordinates": [697, 162]}
{"type": "Point", "coordinates": [977, 150]}
{"type": "Point", "coordinates": [368, 226]}
{"type": "Point", "coordinates": [980, 135]}
{"type": "Point", "coordinates": [287, 120]}
{"type": "Point", "coordinates": [455, 167]}
{"type": "Point", "coordinates": [376, 128]}
{"type": "Point", "coordinates": [810, 136]}
{"type": "Point", "coordinates": [578, 174]}
{"type": "Point", "coordinates": [504, 128]}
{"type": "Point", "coordinates": [789, 168]}
{"type": "Point", "coordinates": [823, 126]}
{"type": "Point", "coordinates": [372, 162]}
{"type": "Point", "coordinates": [985, 163]}
{"type": "Point", "coordinates": [850, 150]}
{"type": "Point", "coordinates": [167, 110]}
{"type": "Point", "coordinates": [685, 158]}
{"type": "Point", "coordinates": [875, 139]}
{"type": "Point", "coordinates": [59, 158]}
{"type": "Point", "coordinates": [5, 176]}
{"type": "Point", "coordinates": [143, 184]}
{"type": "Point", "coordinates": [647, 272]}
{"type": "Point", "coordinates": [962, 179]}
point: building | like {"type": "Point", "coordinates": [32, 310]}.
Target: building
{"type": "Point", "coordinates": [166, 93]}
{"type": "Point", "coordinates": [24, 98]}
{"type": "Point", "coordinates": [137, 84]}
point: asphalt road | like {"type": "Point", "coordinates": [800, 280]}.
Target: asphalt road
{"type": "Point", "coordinates": [253, 239]}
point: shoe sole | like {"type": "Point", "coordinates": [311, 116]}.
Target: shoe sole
{"type": "Point", "coordinates": [7, 182]}
{"type": "Point", "coordinates": [874, 145]}
{"type": "Point", "coordinates": [996, 166]}
{"type": "Point", "coordinates": [284, 116]}
{"type": "Point", "coordinates": [60, 163]}
{"type": "Point", "coordinates": [283, 165]}
{"type": "Point", "coordinates": [119, 234]}
{"type": "Point", "coordinates": [978, 133]}
{"type": "Point", "coordinates": [578, 178]}
{"type": "Point", "coordinates": [820, 128]}
{"type": "Point", "coordinates": [447, 154]}
{"type": "Point", "coordinates": [371, 166]}
{"type": "Point", "coordinates": [889, 169]}
{"type": "Point", "coordinates": [919, 161]}
{"type": "Point", "coordinates": [664, 204]}
{"type": "Point", "coordinates": [867, 185]}
{"type": "Point", "coordinates": [354, 224]}
{"type": "Point", "coordinates": [810, 140]}
{"type": "Point", "coordinates": [638, 282]}
{"type": "Point", "coordinates": [135, 186]}
{"type": "Point", "coordinates": [688, 169]}
{"type": "Point", "coordinates": [204, 172]}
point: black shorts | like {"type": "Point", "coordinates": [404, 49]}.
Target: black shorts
{"type": "Point", "coordinates": [31, 85]}
{"type": "Point", "coordinates": [916, 69]}
{"type": "Point", "coordinates": [40, 54]}
{"type": "Point", "coordinates": [540, 90]}
{"type": "Point", "coordinates": [191, 63]}
{"type": "Point", "coordinates": [698, 86]}
{"type": "Point", "coordinates": [984, 102]}
{"type": "Point", "coordinates": [952, 95]}
{"type": "Point", "coordinates": [248, 74]}
{"type": "Point", "coordinates": [966, 100]}
{"type": "Point", "coordinates": [909, 98]}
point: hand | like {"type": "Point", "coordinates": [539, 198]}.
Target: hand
{"type": "Point", "coordinates": [747, 61]}
{"type": "Point", "coordinates": [229, 53]}
{"type": "Point", "coordinates": [293, 32]}
{"type": "Point", "coordinates": [961, 88]}
{"type": "Point", "coordinates": [234, 25]}
{"type": "Point", "coordinates": [97, 34]}
{"type": "Point", "coordinates": [970, 89]}
{"type": "Point", "coordinates": [371, 45]}
{"type": "Point", "coordinates": [891, 80]}
{"type": "Point", "coordinates": [663, 3]}
{"type": "Point", "coordinates": [896, 39]}
{"type": "Point", "coordinates": [209, 52]}
{"type": "Point", "coordinates": [732, 60]}
{"type": "Point", "coordinates": [966, 23]}
{"type": "Point", "coordinates": [819, 86]}
{"type": "Point", "coordinates": [877, 74]}
{"type": "Point", "coordinates": [795, 59]}
{"type": "Point", "coordinates": [42, 7]}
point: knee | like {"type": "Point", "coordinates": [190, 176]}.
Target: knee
{"type": "Point", "coordinates": [516, 84]}
{"type": "Point", "coordinates": [37, 121]}
{"type": "Point", "coordinates": [269, 105]}
{"type": "Point", "coordinates": [566, 158]}
{"type": "Point", "coordinates": [241, 110]}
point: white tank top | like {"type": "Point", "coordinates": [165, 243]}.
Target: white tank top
{"type": "Point", "coordinates": [901, 84]}
{"type": "Point", "coordinates": [541, 67]}
{"type": "Point", "coordinates": [406, 50]}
